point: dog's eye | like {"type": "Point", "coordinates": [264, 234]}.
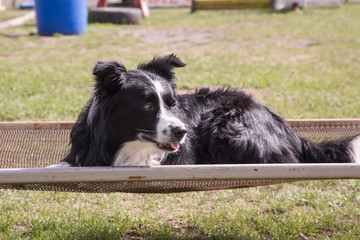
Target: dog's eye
{"type": "Point", "coordinates": [148, 106]}
{"type": "Point", "coordinates": [173, 105]}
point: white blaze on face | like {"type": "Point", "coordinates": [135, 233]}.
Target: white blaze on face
{"type": "Point", "coordinates": [166, 120]}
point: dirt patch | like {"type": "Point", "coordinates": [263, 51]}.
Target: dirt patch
{"type": "Point", "coordinates": [296, 43]}
{"type": "Point", "coordinates": [178, 36]}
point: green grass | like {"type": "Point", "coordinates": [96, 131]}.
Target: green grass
{"type": "Point", "coordinates": [301, 65]}
{"type": "Point", "coordinates": [317, 210]}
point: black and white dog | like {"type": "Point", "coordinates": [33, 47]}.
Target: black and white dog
{"type": "Point", "coordinates": [135, 118]}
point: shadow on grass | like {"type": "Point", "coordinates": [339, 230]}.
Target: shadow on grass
{"type": "Point", "coordinates": [18, 35]}
{"type": "Point", "coordinates": [27, 30]}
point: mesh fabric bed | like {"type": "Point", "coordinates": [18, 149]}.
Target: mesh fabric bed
{"type": "Point", "coordinates": [26, 148]}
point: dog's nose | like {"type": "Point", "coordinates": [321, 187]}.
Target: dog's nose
{"type": "Point", "coordinates": [178, 132]}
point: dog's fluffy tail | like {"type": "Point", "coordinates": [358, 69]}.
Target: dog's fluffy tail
{"type": "Point", "coordinates": [341, 151]}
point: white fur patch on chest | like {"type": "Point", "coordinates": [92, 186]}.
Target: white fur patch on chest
{"type": "Point", "coordinates": [137, 153]}
{"type": "Point", "coordinates": [355, 145]}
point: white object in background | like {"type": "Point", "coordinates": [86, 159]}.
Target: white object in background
{"type": "Point", "coordinates": [306, 4]}
{"type": "Point", "coordinates": [2, 8]}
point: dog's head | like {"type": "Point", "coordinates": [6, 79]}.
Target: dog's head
{"type": "Point", "coordinates": [138, 104]}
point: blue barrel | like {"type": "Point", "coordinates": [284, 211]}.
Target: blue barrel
{"type": "Point", "coordinates": [61, 16]}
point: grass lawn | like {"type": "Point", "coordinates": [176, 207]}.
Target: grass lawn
{"type": "Point", "coordinates": [302, 65]}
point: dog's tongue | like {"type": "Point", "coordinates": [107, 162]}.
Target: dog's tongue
{"type": "Point", "coordinates": [175, 146]}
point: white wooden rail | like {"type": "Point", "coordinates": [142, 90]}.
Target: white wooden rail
{"type": "Point", "coordinates": [185, 172]}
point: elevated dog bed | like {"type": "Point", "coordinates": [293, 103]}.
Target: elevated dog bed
{"type": "Point", "coordinates": [26, 148]}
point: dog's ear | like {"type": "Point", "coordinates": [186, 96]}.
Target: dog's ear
{"type": "Point", "coordinates": [109, 77]}
{"type": "Point", "coordinates": [163, 66]}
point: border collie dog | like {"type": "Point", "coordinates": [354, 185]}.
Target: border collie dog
{"type": "Point", "coordinates": [135, 118]}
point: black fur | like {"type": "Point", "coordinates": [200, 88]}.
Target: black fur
{"type": "Point", "coordinates": [223, 126]}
